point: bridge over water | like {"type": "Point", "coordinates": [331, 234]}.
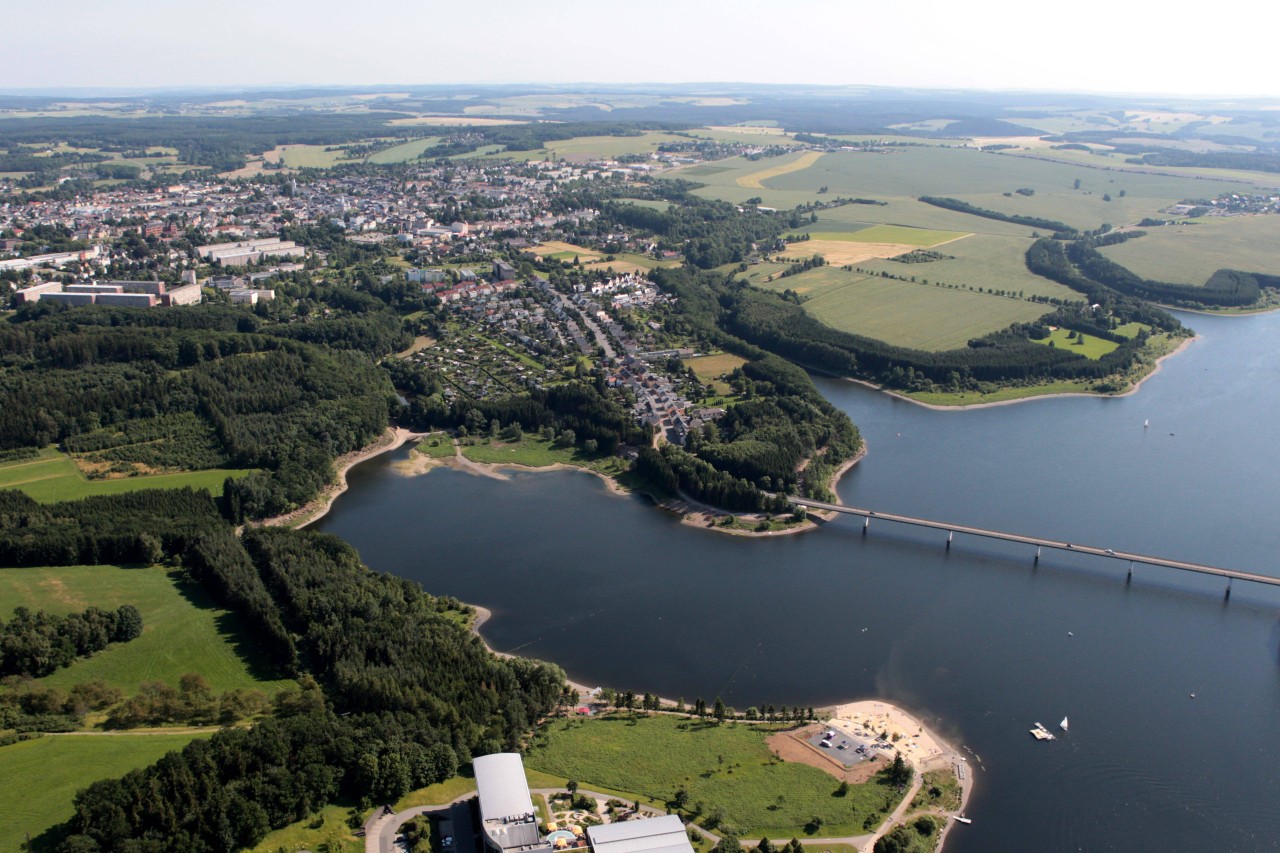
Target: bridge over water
{"type": "Point", "coordinates": [1040, 544]}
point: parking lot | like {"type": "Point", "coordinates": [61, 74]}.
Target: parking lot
{"type": "Point", "coordinates": [847, 748]}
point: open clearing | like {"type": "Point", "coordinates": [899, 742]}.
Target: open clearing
{"type": "Point", "coordinates": [583, 148]}
{"type": "Point", "coordinates": [183, 630]}
{"type": "Point", "coordinates": [727, 766]}
{"type": "Point", "coordinates": [54, 477]}
{"type": "Point", "coordinates": [803, 161]}
{"type": "Point", "coordinates": [1086, 345]}
{"type": "Point", "coordinates": [39, 778]}
{"type": "Point", "coordinates": [924, 316]}
{"type": "Point", "coordinates": [1190, 254]}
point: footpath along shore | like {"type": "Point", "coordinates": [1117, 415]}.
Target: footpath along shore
{"type": "Point", "coordinates": [919, 746]}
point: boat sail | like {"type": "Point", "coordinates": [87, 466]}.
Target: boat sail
{"type": "Point", "coordinates": [1063, 725]}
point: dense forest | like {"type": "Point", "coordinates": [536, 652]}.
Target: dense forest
{"type": "Point", "coordinates": [200, 388]}
{"type": "Point", "coordinates": [1030, 221]}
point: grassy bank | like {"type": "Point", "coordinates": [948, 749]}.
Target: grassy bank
{"type": "Point", "coordinates": [55, 477]}
{"type": "Point", "coordinates": [727, 770]}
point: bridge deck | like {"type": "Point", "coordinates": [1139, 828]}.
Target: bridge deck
{"type": "Point", "coordinates": [1145, 559]}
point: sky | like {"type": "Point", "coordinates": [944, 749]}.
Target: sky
{"type": "Point", "coordinates": [1173, 47]}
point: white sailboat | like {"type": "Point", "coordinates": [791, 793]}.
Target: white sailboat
{"type": "Point", "coordinates": [1063, 725]}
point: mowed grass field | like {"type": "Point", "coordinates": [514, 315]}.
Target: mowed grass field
{"type": "Point", "coordinates": [792, 164]}
{"type": "Point", "coordinates": [182, 629]}
{"type": "Point", "coordinates": [1190, 254]}
{"type": "Point", "coordinates": [39, 778]}
{"type": "Point", "coordinates": [710, 370]}
{"type": "Point", "coordinates": [583, 148]}
{"type": "Point", "coordinates": [54, 477]}
{"type": "Point", "coordinates": [1085, 345]}
{"type": "Point", "coordinates": [728, 766]}
{"type": "Point", "coordinates": [923, 316]}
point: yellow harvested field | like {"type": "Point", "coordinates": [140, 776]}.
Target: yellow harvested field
{"type": "Point", "coordinates": [841, 252]}
{"type": "Point", "coordinates": [557, 247]}
{"type": "Point", "coordinates": [620, 267]}
{"type": "Point", "coordinates": [804, 161]}
{"type": "Point", "coordinates": [760, 130]}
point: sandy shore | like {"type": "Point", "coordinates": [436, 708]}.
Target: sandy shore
{"type": "Point", "coordinates": [920, 747]}
{"type": "Point", "coordinates": [317, 508]}
{"type": "Point", "coordinates": [1133, 389]}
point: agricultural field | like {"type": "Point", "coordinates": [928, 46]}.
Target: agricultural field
{"type": "Point", "coordinates": [902, 235]}
{"type": "Point", "coordinates": [924, 316]}
{"type": "Point", "coordinates": [583, 148]}
{"type": "Point", "coordinates": [1191, 253]}
{"type": "Point", "coordinates": [727, 767]}
{"type": "Point", "coordinates": [986, 261]}
{"type": "Point", "coordinates": [404, 152]}
{"type": "Point", "coordinates": [55, 477]}
{"type": "Point", "coordinates": [306, 156]}
{"type": "Point", "coordinates": [1086, 345]}
{"type": "Point", "coordinates": [63, 764]}
{"type": "Point", "coordinates": [981, 178]}
{"type": "Point", "coordinates": [756, 180]}
{"type": "Point", "coordinates": [711, 370]}
{"type": "Point", "coordinates": [183, 630]}
{"type": "Point", "coordinates": [561, 251]}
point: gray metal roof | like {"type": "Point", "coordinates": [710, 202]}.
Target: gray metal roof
{"type": "Point", "coordinates": [664, 834]}
{"type": "Point", "coordinates": [504, 792]}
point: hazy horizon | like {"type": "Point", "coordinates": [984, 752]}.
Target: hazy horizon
{"type": "Point", "coordinates": [988, 45]}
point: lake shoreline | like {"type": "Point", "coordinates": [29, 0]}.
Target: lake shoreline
{"type": "Point", "coordinates": [938, 753]}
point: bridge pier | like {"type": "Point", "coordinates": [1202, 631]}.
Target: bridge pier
{"type": "Point", "coordinates": [950, 534]}
{"type": "Point", "coordinates": [1129, 579]}
{"type": "Point", "coordinates": [866, 523]}
{"type": "Point", "coordinates": [1227, 596]}
{"type": "Point", "coordinates": [1037, 559]}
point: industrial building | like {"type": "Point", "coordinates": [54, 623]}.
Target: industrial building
{"type": "Point", "coordinates": [665, 834]}
{"type": "Point", "coordinates": [250, 251]}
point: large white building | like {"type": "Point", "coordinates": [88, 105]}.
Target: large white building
{"type": "Point", "coordinates": [250, 251]}
{"type": "Point", "coordinates": [664, 834]}
{"type": "Point", "coordinates": [506, 809]}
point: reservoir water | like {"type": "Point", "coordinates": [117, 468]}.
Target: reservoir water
{"type": "Point", "coordinates": [977, 640]}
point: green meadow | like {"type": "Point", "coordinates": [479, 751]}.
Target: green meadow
{"type": "Point", "coordinates": [1191, 253]}
{"type": "Point", "coordinates": [904, 313]}
{"type": "Point", "coordinates": [1086, 345]}
{"type": "Point", "coordinates": [727, 767]}
{"type": "Point", "coordinates": [54, 477]}
{"type": "Point", "coordinates": [183, 630]}
{"type": "Point", "coordinates": [62, 765]}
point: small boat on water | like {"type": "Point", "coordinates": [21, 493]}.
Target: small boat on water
{"type": "Point", "coordinates": [1041, 733]}
{"type": "Point", "coordinates": [962, 819]}
{"type": "Point", "coordinates": [1146, 423]}
{"type": "Point", "coordinates": [1063, 725]}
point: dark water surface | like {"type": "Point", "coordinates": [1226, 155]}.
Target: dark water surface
{"type": "Point", "coordinates": [976, 640]}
